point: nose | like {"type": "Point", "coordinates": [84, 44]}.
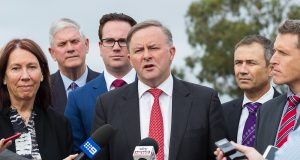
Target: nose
{"type": "Point", "coordinates": [147, 55]}
{"type": "Point", "coordinates": [70, 47]}
{"type": "Point", "coordinates": [116, 46]}
{"type": "Point", "coordinates": [273, 59]}
{"type": "Point", "coordinates": [25, 75]}
{"type": "Point", "coordinates": [244, 69]}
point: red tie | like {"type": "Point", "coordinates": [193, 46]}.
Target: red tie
{"type": "Point", "coordinates": [156, 127]}
{"type": "Point", "coordinates": [118, 83]}
{"type": "Point", "coordinates": [288, 121]}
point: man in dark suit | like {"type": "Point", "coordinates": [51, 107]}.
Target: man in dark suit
{"type": "Point", "coordinates": [81, 103]}
{"type": "Point", "coordinates": [252, 73]}
{"type": "Point", "coordinates": [68, 46]}
{"type": "Point", "coordinates": [184, 118]}
{"type": "Point", "coordinates": [286, 70]}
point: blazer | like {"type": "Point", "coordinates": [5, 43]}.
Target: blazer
{"type": "Point", "coordinates": [58, 91]}
{"type": "Point", "coordinates": [53, 133]}
{"type": "Point", "coordinates": [232, 114]}
{"type": "Point", "coordinates": [268, 121]}
{"type": "Point", "coordinates": [80, 108]}
{"type": "Point", "coordinates": [197, 121]}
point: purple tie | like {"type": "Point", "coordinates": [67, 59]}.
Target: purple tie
{"type": "Point", "coordinates": [73, 86]}
{"type": "Point", "coordinates": [118, 83]}
{"type": "Point", "coordinates": [249, 128]}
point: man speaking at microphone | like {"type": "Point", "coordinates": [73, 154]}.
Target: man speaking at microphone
{"type": "Point", "coordinates": [184, 118]}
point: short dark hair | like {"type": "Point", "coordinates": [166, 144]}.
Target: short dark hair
{"type": "Point", "coordinates": [263, 41]}
{"type": "Point", "coordinates": [292, 27]}
{"type": "Point", "coordinates": [146, 24]}
{"type": "Point", "coordinates": [43, 97]}
{"type": "Point", "coordinates": [114, 17]}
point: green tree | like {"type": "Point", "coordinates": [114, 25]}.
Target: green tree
{"type": "Point", "coordinates": [215, 26]}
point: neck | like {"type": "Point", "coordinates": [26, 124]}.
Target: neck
{"type": "Point", "coordinates": [257, 94]}
{"type": "Point", "coordinates": [73, 73]}
{"type": "Point", "coordinates": [24, 109]}
{"type": "Point", "coordinates": [119, 73]}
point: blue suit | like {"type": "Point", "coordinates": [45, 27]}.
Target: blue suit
{"type": "Point", "coordinates": [81, 106]}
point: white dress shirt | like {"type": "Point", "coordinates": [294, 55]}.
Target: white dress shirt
{"type": "Point", "coordinates": [245, 113]}
{"type": "Point", "coordinates": [128, 78]}
{"type": "Point", "coordinates": [165, 101]}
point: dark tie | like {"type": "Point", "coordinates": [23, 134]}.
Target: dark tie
{"type": "Point", "coordinates": [73, 86]}
{"type": "Point", "coordinates": [249, 129]}
{"type": "Point", "coordinates": [118, 83]}
{"type": "Point", "coordinates": [288, 121]}
{"type": "Point", "coordinates": [156, 126]}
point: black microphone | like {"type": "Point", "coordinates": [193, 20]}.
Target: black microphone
{"type": "Point", "coordinates": [97, 140]}
{"type": "Point", "coordinates": [146, 150]}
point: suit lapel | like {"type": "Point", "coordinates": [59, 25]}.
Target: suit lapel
{"type": "Point", "coordinates": [181, 105]}
{"type": "Point", "coordinates": [275, 119]}
{"type": "Point", "coordinates": [59, 90]}
{"type": "Point", "coordinates": [234, 119]}
{"type": "Point", "coordinates": [129, 109]}
{"type": "Point", "coordinates": [100, 86]}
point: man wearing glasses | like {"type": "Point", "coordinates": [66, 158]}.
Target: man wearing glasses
{"type": "Point", "coordinates": [113, 30]}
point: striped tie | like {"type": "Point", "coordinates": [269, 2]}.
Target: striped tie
{"type": "Point", "coordinates": [288, 121]}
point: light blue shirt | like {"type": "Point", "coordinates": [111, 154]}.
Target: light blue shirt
{"type": "Point", "coordinates": [81, 81]}
{"type": "Point", "coordinates": [291, 149]}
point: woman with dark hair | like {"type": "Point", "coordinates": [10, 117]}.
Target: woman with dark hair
{"type": "Point", "coordinates": [25, 98]}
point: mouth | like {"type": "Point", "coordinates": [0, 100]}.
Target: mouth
{"type": "Point", "coordinates": [149, 66]}
{"type": "Point", "coordinates": [244, 79]}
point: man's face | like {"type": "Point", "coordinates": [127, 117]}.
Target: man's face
{"type": "Point", "coordinates": [115, 58]}
{"type": "Point", "coordinates": [286, 61]}
{"type": "Point", "coordinates": [151, 55]}
{"type": "Point", "coordinates": [250, 68]}
{"type": "Point", "coordinates": [69, 49]}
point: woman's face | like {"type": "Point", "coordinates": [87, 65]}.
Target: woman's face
{"type": "Point", "coordinates": [23, 76]}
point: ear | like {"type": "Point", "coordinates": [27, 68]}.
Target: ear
{"type": "Point", "coordinates": [52, 52]}
{"type": "Point", "coordinates": [42, 78]}
{"type": "Point", "coordinates": [129, 59]}
{"type": "Point", "coordinates": [100, 48]}
{"type": "Point", "coordinates": [270, 70]}
{"type": "Point", "coordinates": [87, 44]}
{"type": "Point", "coordinates": [172, 52]}
{"type": "Point", "coordinates": [4, 81]}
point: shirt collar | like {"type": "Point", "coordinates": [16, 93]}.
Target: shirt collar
{"type": "Point", "coordinates": [290, 93]}
{"type": "Point", "coordinates": [80, 81]}
{"type": "Point", "coordinates": [109, 78]}
{"type": "Point", "coordinates": [267, 96]}
{"type": "Point", "coordinates": [166, 87]}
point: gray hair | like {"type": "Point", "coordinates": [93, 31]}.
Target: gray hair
{"type": "Point", "coordinates": [62, 24]}
{"type": "Point", "coordinates": [263, 41]}
{"type": "Point", "coordinates": [146, 24]}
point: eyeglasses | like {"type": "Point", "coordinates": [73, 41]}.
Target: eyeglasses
{"type": "Point", "coordinates": [110, 42]}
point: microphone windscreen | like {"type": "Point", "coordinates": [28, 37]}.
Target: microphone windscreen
{"type": "Point", "coordinates": [149, 142]}
{"type": "Point", "coordinates": [102, 135]}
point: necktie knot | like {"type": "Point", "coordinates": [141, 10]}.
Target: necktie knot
{"type": "Point", "coordinates": [293, 101]}
{"type": "Point", "coordinates": [118, 83]}
{"type": "Point", "coordinates": [155, 92]}
{"type": "Point", "coordinates": [253, 107]}
{"type": "Point", "coordinates": [73, 86]}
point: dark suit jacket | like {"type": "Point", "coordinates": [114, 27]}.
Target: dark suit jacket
{"type": "Point", "coordinates": [232, 114]}
{"type": "Point", "coordinates": [81, 106]}
{"type": "Point", "coordinates": [268, 120]}
{"type": "Point", "coordinates": [53, 133]}
{"type": "Point", "coordinates": [197, 121]}
{"type": "Point", "coordinates": [58, 91]}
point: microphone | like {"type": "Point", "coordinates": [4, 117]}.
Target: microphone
{"type": "Point", "coordinates": [146, 150]}
{"type": "Point", "coordinates": [97, 140]}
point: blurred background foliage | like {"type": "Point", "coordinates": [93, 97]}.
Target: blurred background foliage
{"type": "Point", "coordinates": [215, 26]}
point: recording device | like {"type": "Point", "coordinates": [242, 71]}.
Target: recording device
{"type": "Point", "coordinates": [229, 151]}
{"type": "Point", "coordinates": [13, 137]}
{"type": "Point", "coordinates": [269, 153]}
{"type": "Point", "coordinates": [146, 150]}
{"type": "Point", "coordinates": [97, 140]}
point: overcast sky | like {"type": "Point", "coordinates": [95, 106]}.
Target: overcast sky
{"type": "Point", "coordinates": [32, 19]}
